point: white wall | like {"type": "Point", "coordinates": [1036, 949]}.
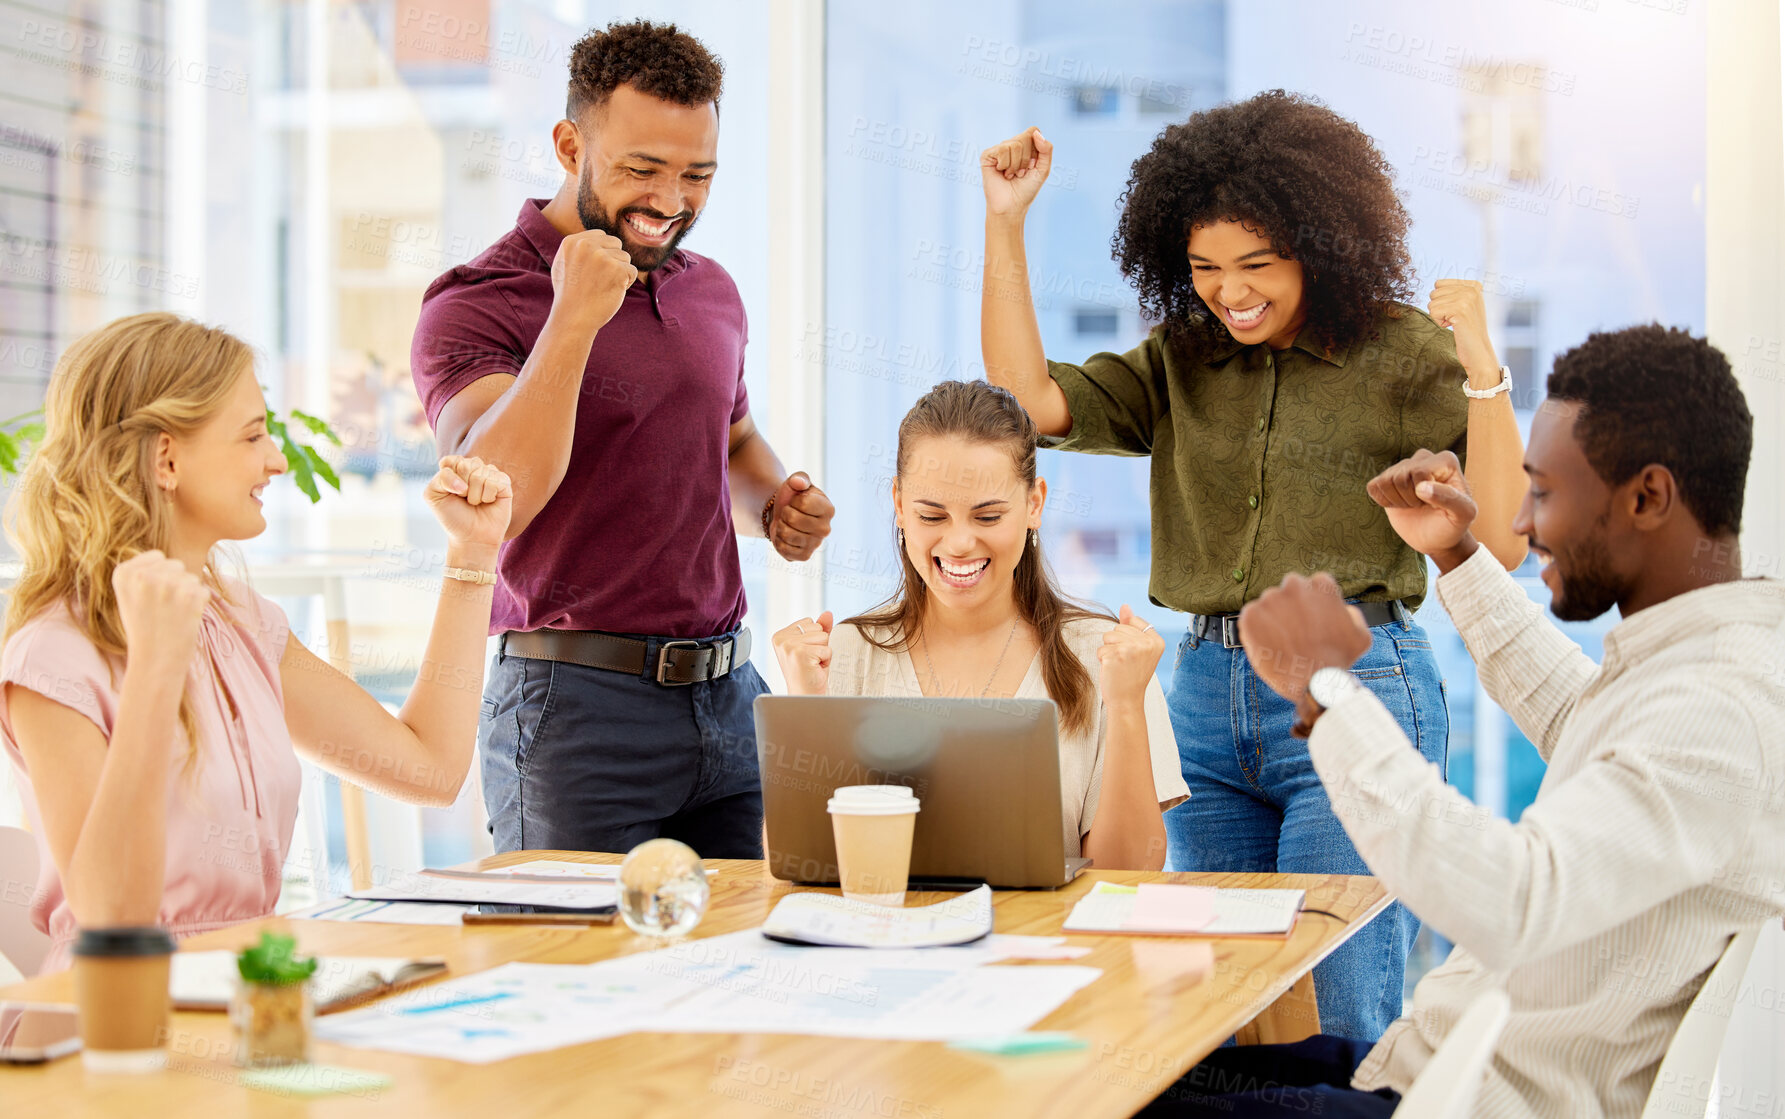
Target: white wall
{"type": "Point", "coordinates": [1745, 294]}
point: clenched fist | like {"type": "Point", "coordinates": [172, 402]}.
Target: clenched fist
{"type": "Point", "coordinates": [1012, 172]}
{"type": "Point", "coordinates": [161, 603]}
{"type": "Point", "coordinates": [1427, 501]}
{"type": "Point", "coordinates": [472, 499]}
{"type": "Point", "coordinates": [804, 652]}
{"type": "Point", "coordinates": [1458, 305]}
{"type": "Point", "coordinates": [1299, 627]}
{"type": "Point", "coordinates": [801, 518]}
{"type": "Point", "coordinates": [1127, 659]}
{"type": "Point", "coordinates": [590, 276]}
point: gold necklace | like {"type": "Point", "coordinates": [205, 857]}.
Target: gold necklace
{"type": "Point", "coordinates": [936, 684]}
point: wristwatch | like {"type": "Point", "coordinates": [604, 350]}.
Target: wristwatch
{"type": "Point", "coordinates": [1329, 686]}
{"type": "Point", "coordinates": [1505, 385]}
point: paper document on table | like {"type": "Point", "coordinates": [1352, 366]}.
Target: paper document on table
{"type": "Point", "coordinates": [384, 912]}
{"type": "Point", "coordinates": [745, 984]}
{"type": "Point", "coordinates": [504, 1012]}
{"type": "Point", "coordinates": [826, 919]}
{"type": "Point", "coordinates": [1159, 908]}
{"type": "Point", "coordinates": [737, 983]}
{"type": "Point", "coordinates": [551, 869]}
{"type": "Point", "coordinates": [569, 893]}
{"type": "Point", "coordinates": [561, 868]}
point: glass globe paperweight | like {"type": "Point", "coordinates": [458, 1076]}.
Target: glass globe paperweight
{"type": "Point", "coordinates": [663, 888]}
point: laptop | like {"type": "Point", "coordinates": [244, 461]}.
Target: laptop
{"type": "Point", "coordinates": [986, 773]}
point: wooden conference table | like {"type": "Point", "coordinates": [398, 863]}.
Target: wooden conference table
{"type": "Point", "coordinates": [1157, 1010]}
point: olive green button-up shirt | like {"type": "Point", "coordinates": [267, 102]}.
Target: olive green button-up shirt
{"type": "Point", "coordinates": [1260, 456]}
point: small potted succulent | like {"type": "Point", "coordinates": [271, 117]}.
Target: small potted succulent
{"type": "Point", "coordinates": [272, 1011]}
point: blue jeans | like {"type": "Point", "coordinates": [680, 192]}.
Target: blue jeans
{"type": "Point", "coordinates": [1256, 803]}
{"type": "Point", "coordinates": [584, 759]}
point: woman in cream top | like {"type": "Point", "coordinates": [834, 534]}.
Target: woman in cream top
{"type": "Point", "coordinates": [863, 669]}
{"type": "Point", "coordinates": [978, 616]}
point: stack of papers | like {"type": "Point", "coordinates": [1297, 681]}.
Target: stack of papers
{"type": "Point", "coordinates": [1163, 908]}
{"type": "Point", "coordinates": [541, 868]}
{"type": "Point", "coordinates": [543, 891]}
{"type": "Point", "coordinates": [826, 919]}
{"type": "Point", "coordinates": [736, 983]}
{"type": "Point", "coordinates": [431, 911]}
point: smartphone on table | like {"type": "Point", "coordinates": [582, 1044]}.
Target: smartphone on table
{"type": "Point", "coordinates": [32, 1033]}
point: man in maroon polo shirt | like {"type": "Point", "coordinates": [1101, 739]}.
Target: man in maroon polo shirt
{"type": "Point", "coordinates": [603, 368]}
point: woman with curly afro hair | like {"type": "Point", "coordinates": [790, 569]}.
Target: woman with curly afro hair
{"type": "Point", "coordinates": [1287, 370]}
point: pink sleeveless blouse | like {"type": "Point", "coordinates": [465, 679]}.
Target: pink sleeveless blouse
{"type": "Point", "coordinates": [230, 816]}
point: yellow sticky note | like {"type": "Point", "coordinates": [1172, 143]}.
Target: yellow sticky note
{"type": "Point", "coordinates": [316, 1080]}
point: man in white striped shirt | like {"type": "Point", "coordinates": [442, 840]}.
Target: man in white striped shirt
{"type": "Point", "coordinates": [1659, 829]}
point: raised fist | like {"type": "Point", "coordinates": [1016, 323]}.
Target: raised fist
{"type": "Point", "coordinates": [590, 276]}
{"type": "Point", "coordinates": [472, 499]}
{"type": "Point", "coordinates": [1012, 172]}
{"type": "Point", "coordinates": [160, 603]}
{"type": "Point", "coordinates": [1458, 304]}
{"type": "Point", "coordinates": [1127, 659]}
{"type": "Point", "coordinates": [1427, 500]}
{"type": "Point", "coordinates": [804, 651]}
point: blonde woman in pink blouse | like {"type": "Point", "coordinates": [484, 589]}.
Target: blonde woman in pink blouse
{"type": "Point", "coordinates": [155, 710]}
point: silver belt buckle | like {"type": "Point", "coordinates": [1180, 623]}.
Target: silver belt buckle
{"type": "Point", "coordinates": [1230, 631]}
{"type": "Point", "coordinates": [663, 662]}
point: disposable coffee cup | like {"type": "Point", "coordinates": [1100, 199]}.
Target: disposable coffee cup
{"type": "Point", "coordinates": [873, 825]}
{"type": "Point", "coordinates": [121, 986]}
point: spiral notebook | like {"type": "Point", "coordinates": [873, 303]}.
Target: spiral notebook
{"type": "Point", "coordinates": [1166, 909]}
{"type": "Point", "coordinates": [827, 920]}
{"type": "Point", "coordinates": [206, 980]}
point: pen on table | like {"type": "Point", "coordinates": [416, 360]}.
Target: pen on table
{"type": "Point", "coordinates": [472, 917]}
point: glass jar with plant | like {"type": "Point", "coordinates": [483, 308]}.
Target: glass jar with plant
{"type": "Point", "coordinates": [272, 1008]}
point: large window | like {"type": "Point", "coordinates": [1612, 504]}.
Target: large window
{"type": "Point", "coordinates": [298, 171]}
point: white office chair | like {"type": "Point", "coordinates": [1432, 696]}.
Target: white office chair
{"type": "Point", "coordinates": [1447, 1086]}
{"type": "Point", "coordinates": [1684, 1085]}
{"type": "Point", "coordinates": [22, 946]}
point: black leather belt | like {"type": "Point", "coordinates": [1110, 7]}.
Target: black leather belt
{"type": "Point", "coordinates": [1226, 627]}
{"type": "Point", "coordinates": [678, 661]}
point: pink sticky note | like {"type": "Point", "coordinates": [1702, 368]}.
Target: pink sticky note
{"type": "Point", "coordinates": [1161, 907]}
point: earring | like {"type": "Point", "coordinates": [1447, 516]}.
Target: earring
{"type": "Point", "coordinates": [1034, 538]}
{"type": "Point", "coordinates": [901, 539]}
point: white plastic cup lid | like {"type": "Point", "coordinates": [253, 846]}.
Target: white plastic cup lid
{"type": "Point", "coordinates": [873, 800]}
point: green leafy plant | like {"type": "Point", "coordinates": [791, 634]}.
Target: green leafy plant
{"type": "Point", "coordinates": [305, 462]}
{"type": "Point", "coordinates": [16, 438]}
{"type": "Point", "coordinates": [274, 962]}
